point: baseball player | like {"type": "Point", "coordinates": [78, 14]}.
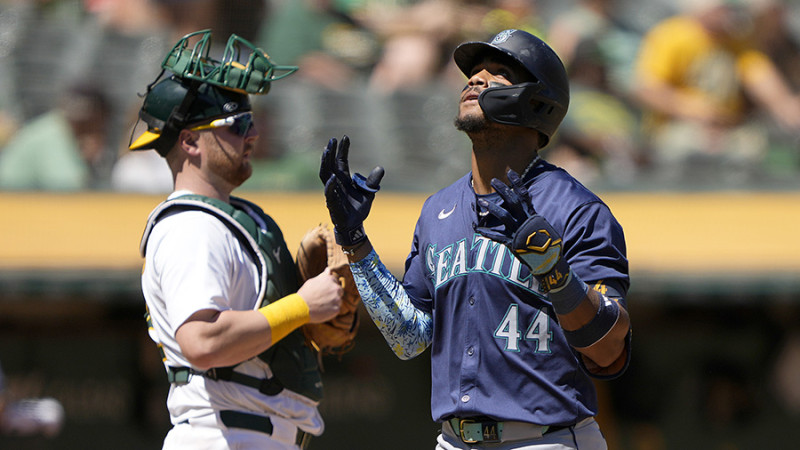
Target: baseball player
{"type": "Point", "coordinates": [517, 273]}
{"type": "Point", "coordinates": [219, 282]}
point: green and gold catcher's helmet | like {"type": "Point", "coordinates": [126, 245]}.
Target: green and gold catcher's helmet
{"type": "Point", "coordinates": [201, 89]}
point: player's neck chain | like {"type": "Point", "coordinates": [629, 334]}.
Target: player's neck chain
{"type": "Point", "coordinates": [533, 162]}
{"type": "Point", "coordinates": [521, 177]}
{"type": "Point", "coordinates": [530, 166]}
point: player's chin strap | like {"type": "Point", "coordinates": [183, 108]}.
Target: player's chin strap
{"type": "Point", "coordinates": [178, 118]}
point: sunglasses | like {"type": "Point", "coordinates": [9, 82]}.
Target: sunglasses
{"type": "Point", "coordinates": [240, 123]}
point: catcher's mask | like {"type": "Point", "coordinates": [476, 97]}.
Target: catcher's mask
{"type": "Point", "coordinates": [201, 89]}
{"type": "Point", "coordinates": [540, 104]}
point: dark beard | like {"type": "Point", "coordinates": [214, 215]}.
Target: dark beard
{"type": "Point", "coordinates": [470, 124]}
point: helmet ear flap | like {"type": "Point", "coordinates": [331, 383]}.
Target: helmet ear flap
{"type": "Point", "coordinates": [510, 104]}
{"type": "Point", "coordinates": [520, 105]}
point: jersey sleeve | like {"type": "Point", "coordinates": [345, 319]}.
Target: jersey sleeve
{"type": "Point", "coordinates": [596, 251]}
{"type": "Point", "coordinates": [416, 279]}
{"type": "Point", "coordinates": [193, 262]}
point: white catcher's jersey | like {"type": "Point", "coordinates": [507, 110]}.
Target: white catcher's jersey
{"type": "Point", "coordinates": [193, 262]}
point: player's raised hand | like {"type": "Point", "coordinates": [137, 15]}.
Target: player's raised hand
{"type": "Point", "coordinates": [349, 198]}
{"type": "Point", "coordinates": [529, 235]}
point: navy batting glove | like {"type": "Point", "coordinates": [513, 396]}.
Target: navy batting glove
{"type": "Point", "coordinates": [529, 235]}
{"type": "Point", "coordinates": [349, 199]}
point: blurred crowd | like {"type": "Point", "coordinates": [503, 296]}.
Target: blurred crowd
{"type": "Point", "coordinates": [693, 93]}
{"type": "Point", "coordinates": [28, 416]}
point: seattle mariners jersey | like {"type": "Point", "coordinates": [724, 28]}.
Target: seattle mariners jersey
{"type": "Point", "coordinates": [497, 347]}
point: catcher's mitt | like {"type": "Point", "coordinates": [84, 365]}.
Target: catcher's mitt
{"type": "Point", "coordinates": [318, 249]}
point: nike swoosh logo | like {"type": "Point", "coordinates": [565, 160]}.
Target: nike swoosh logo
{"type": "Point", "coordinates": [444, 215]}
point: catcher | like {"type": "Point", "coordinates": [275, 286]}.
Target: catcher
{"type": "Point", "coordinates": [224, 303]}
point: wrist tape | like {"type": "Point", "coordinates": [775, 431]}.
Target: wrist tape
{"type": "Point", "coordinates": [568, 296]}
{"type": "Point", "coordinates": [597, 328]}
{"type": "Point", "coordinates": [285, 315]}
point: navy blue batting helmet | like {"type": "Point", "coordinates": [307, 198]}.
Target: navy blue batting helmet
{"type": "Point", "coordinates": [540, 104]}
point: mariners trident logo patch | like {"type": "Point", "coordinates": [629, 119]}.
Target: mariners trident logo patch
{"type": "Point", "coordinates": [502, 36]}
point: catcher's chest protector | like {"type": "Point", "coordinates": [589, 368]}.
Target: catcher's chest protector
{"type": "Point", "coordinates": [290, 359]}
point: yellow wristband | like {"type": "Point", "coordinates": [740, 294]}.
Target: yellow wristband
{"type": "Point", "coordinates": [285, 315]}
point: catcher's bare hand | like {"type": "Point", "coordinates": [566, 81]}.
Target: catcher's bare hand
{"type": "Point", "coordinates": [318, 250]}
{"type": "Point", "coordinates": [323, 295]}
